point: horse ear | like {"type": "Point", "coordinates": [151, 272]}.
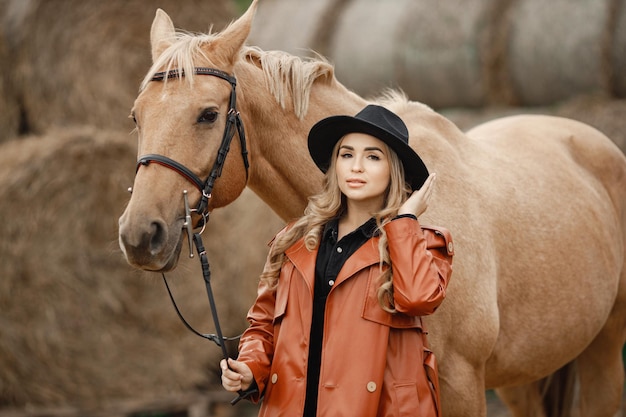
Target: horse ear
{"type": "Point", "coordinates": [162, 33]}
{"type": "Point", "coordinates": [234, 36]}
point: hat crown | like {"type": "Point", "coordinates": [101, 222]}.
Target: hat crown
{"type": "Point", "coordinates": [386, 120]}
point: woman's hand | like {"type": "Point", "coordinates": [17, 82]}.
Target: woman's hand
{"type": "Point", "coordinates": [417, 203]}
{"type": "Point", "coordinates": [236, 375]}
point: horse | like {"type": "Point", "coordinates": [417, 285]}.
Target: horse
{"type": "Point", "coordinates": [536, 205]}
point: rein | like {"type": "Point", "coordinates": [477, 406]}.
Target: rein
{"type": "Point", "coordinates": [233, 122]}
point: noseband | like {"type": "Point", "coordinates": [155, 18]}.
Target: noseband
{"type": "Point", "coordinates": [233, 121]}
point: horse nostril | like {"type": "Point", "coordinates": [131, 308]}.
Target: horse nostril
{"type": "Point", "coordinates": [158, 236]}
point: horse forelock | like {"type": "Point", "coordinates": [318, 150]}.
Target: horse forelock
{"type": "Point", "coordinates": [185, 50]}
{"type": "Point", "coordinates": [291, 76]}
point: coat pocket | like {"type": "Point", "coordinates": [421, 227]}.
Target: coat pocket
{"type": "Point", "coordinates": [406, 402]}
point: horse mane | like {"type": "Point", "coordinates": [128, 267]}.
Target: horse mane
{"type": "Point", "coordinates": [288, 75]}
{"type": "Point", "coordinates": [285, 75]}
{"type": "Point", "coordinates": [399, 102]}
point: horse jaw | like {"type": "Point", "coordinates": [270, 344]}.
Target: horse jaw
{"type": "Point", "coordinates": [162, 33]}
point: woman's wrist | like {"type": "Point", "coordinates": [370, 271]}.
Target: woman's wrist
{"type": "Point", "coordinates": [402, 215]}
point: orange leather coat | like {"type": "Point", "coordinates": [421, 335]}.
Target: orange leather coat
{"type": "Point", "coordinates": [373, 363]}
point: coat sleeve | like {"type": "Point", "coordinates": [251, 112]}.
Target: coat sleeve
{"type": "Point", "coordinates": [421, 259]}
{"type": "Point", "coordinates": [256, 347]}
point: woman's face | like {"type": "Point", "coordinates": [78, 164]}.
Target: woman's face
{"type": "Point", "coordinates": [362, 169]}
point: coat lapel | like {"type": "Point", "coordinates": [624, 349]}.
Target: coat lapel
{"type": "Point", "coordinates": [364, 257]}
{"type": "Point", "coordinates": [304, 261]}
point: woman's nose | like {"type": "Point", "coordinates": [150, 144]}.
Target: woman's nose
{"type": "Point", "coordinates": [357, 166]}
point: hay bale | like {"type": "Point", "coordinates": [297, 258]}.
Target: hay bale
{"type": "Point", "coordinates": [365, 47]}
{"type": "Point", "coordinates": [81, 62]}
{"type": "Point", "coordinates": [460, 53]}
{"type": "Point", "coordinates": [556, 49]}
{"type": "Point", "coordinates": [428, 49]}
{"type": "Point", "coordinates": [9, 116]}
{"type": "Point", "coordinates": [78, 326]}
{"type": "Point", "coordinates": [618, 53]}
{"type": "Point", "coordinates": [437, 51]}
{"type": "Point", "coordinates": [301, 19]}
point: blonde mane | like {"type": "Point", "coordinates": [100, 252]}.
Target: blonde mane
{"type": "Point", "coordinates": [285, 75]}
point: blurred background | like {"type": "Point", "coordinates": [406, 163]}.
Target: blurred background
{"type": "Point", "coordinates": [82, 333]}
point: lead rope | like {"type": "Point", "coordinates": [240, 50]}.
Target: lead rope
{"type": "Point", "coordinates": [218, 338]}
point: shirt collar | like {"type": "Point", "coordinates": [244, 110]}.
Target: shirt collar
{"type": "Point", "coordinates": [331, 229]}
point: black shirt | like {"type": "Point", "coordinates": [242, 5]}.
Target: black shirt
{"type": "Point", "coordinates": [331, 257]}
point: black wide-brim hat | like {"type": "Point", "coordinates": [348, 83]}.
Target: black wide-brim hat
{"type": "Point", "coordinates": [375, 121]}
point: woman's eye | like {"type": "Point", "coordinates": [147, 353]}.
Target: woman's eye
{"type": "Point", "coordinates": [345, 155]}
{"type": "Point", "coordinates": [374, 157]}
{"type": "Point", "coordinates": [208, 116]}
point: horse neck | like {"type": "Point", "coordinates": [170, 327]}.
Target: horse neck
{"type": "Point", "coordinates": [281, 171]}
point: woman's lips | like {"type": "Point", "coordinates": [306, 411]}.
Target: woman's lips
{"type": "Point", "coordinates": [355, 182]}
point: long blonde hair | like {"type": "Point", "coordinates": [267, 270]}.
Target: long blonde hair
{"type": "Point", "coordinates": [330, 203]}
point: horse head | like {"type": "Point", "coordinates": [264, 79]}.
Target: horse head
{"type": "Point", "coordinates": [185, 117]}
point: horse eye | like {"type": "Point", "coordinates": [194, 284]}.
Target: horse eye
{"type": "Point", "coordinates": [208, 116]}
{"type": "Point", "coordinates": [132, 116]}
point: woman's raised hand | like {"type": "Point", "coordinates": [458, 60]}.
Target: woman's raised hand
{"type": "Point", "coordinates": [417, 203]}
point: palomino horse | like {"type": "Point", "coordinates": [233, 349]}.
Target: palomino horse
{"type": "Point", "coordinates": [536, 204]}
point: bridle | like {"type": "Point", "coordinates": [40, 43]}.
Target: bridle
{"type": "Point", "coordinates": [233, 122]}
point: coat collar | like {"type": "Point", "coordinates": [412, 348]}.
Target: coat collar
{"type": "Point", "coordinates": [304, 260]}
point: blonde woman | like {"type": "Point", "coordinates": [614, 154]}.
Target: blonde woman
{"type": "Point", "coordinates": [336, 329]}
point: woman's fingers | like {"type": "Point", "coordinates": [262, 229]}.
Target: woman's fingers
{"type": "Point", "coordinates": [417, 203]}
{"type": "Point", "coordinates": [231, 380]}
{"type": "Point", "coordinates": [235, 375]}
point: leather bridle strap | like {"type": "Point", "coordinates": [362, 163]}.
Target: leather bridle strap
{"type": "Point", "coordinates": [233, 123]}
{"type": "Point", "coordinates": [170, 163]}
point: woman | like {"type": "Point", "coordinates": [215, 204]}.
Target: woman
{"type": "Point", "coordinates": [336, 327]}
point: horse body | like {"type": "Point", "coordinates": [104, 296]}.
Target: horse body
{"type": "Point", "coordinates": [560, 253]}
{"type": "Point", "coordinates": [536, 206]}
{"type": "Point", "coordinates": [559, 207]}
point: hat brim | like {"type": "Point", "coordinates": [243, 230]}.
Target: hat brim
{"type": "Point", "coordinates": [327, 132]}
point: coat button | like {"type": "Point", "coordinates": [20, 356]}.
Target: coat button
{"type": "Point", "coordinates": [450, 247]}
{"type": "Point", "coordinates": [371, 386]}
{"type": "Point", "coordinates": [274, 378]}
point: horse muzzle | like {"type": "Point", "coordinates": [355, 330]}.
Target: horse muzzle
{"type": "Point", "coordinates": [149, 244]}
